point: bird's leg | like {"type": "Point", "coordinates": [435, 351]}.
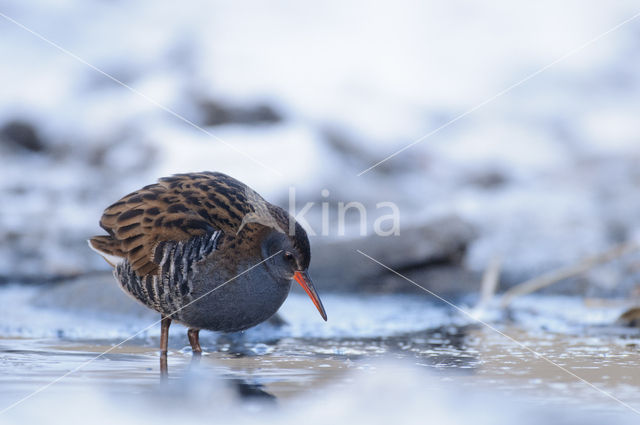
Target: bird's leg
{"type": "Point", "coordinates": [164, 342]}
{"type": "Point", "coordinates": [194, 340]}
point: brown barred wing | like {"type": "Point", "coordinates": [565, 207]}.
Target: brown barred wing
{"type": "Point", "coordinates": [176, 209]}
{"type": "Point", "coordinates": [145, 218]}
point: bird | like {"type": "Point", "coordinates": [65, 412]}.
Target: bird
{"type": "Point", "coordinates": [207, 251]}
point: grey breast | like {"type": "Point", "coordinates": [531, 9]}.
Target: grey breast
{"type": "Point", "coordinates": [233, 301]}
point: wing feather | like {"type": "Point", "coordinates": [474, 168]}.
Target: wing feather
{"type": "Point", "coordinates": [175, 209]}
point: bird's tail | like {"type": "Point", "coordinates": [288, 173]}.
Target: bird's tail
{"type": "Point", "coordinates": [109, 248]}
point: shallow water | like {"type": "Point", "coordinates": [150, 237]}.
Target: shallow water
{"type": "Point", "coordinates": [407, 345]}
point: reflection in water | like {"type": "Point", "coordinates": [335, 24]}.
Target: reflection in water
{"type": "Point", "coordinates": [164, 367]}
{"type": "Point", "coordinates": [244, 388]}
{"type": "Point", "coordinates": [252, 391]}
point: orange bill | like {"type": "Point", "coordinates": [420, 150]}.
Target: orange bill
{"type": "Point", "coordinates": [302, 277]}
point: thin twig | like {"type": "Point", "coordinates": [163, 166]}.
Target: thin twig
{"type": "Point", "coordinates": [490, 283]}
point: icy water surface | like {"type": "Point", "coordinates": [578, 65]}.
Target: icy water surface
{"type": "Point", "coordinates": [376, 355]}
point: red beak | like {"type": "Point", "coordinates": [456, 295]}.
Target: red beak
{"type": "Point", "coordinates": [302, 277]}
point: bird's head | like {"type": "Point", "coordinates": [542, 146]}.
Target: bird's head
{"type": "Point", "coordinates": [287, 257]}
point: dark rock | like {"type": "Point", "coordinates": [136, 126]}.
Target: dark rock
{"type": "Point", "coordinates": [22, 135]}
{"type": "Point", "coordinates": [489, 179]}
{"type": "Point", "coordinates": [630, 318]}
{"type": "Point", "coordinates": [96, 294]}
{"type": "Point", "coordinates": [432, 253]}
{"type": "Point", "coordinates": [449, 282]}
{"type": "Point", "coordinates": [216, 113]}
{"type": "Point", "coordinates": [356, 155]}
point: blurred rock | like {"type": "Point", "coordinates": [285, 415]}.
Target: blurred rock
{"type": "Point", "coordinates": [487, 179]}
{"type": "Point", "coordinates": [358, 153]}
{"type": "Point", "coordinates": [431, 252]}
{"type": "Point", "coordinates": [631, 318]}
{"type": "Point", "coordinates": [22, 135]}
{"type": "Point", "coordinates": [213, 113]}
{"type": "Point", "coordinates": [92, 294]}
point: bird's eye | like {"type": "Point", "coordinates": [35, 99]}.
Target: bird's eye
{"type": "Point", "coordinates": [288, 256]}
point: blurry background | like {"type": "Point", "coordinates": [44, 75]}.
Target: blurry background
{"type": "Point", "coordinates": [545, 174]}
